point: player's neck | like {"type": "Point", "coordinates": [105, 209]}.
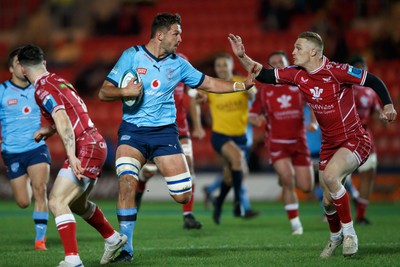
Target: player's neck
{"type": "Point", "coordinates": [155, 50]}
{"type": "Point", "coordinates": [18, 82]}
{"type": "Point", "coordinates": [314, 65]}
{"type": "Point", "coordinates": [35, 73]}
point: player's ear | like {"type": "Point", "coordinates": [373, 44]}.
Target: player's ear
{"type": "Point", "coordinates": [313, 51]}
{"type": "Point", "coordinates": [160, 35]}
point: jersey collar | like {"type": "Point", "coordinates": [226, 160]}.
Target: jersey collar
{"type": "Point", "coordinates": [324, 62]}
{"type": "Point", "coordinates": [40, 77]}
{"type": "Point", "coordinates": [151, 55]}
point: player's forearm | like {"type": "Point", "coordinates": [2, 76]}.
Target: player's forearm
{"type": "Point", "coordinates": [379, 87]}
{"type": "Point", "coordinates": [219, 86]}
{"type": "Point", "coordinates": [65, 131]}
{"type": "Point", "coordinates": [195, 113]}
{"type": "Point", "coordinates": [249, 63]}
{"type": "Point", "coordinates": [110, 93]}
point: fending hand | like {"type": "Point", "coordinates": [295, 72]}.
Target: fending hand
{"type": "Point", "coordinates": [236, 44]}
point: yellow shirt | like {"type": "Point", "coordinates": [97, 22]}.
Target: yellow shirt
{"type": "Point", "coordinates": [229, 111]}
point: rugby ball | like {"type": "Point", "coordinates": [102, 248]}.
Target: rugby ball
{"type": "Point", "coordinates": [129, 75]}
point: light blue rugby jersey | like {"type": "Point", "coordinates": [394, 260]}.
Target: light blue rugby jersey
{"type": "Point", "coordinates": [159, 78]}
{"type": "Point", "coordinates": [20, 118]}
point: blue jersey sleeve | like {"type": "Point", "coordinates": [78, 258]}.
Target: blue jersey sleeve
{"type": "Point", "coordinates": [124, 63]}
{"type": "Point", "coordinates": [191, 76]}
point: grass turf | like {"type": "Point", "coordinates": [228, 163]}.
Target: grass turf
{"type": "Point", "coordinates": [159, 239]}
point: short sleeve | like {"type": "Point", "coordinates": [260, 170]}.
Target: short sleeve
{"type": "Point", "coordinates": [191, 76]}
{"type": "Point", "coordinates": [124, 63]}
{"type": "Point", "coordinates": [348, 74]}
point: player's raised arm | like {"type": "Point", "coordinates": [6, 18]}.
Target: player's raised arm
{"type": "Point", "coordinates": [238, 49]}
{"type": "Point", "coordinates": [109, 92]}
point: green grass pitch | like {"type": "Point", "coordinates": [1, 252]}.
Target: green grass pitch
{"type": "Point", "coordinates": [159, 239]}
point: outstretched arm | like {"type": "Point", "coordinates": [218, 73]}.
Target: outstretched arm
{"type": "Point", "coordinates": [239, 51]}
{"type": "Point", "coordinates": [388, 114]}
{"type": "Point", "coordinates": [262, 74]}
{"type": "Point", "coordinates": [215, 85]}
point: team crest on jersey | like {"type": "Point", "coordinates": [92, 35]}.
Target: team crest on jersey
{"type": "Point", "coordinates": [26, 110]}
{"type": "Point", "coordinates": [11, 102]}
{"type": "Point", "coordinates": [155, 84]}
{"type": "Point", "coordinates": [141, 70]}
{"type": "Point", "coordinates": [170, 73]}
{"type": "Point", "coordinates": [14, 166]}
{"type": "Point", "coordinates": [316, 92]}
{"type": "Point", "coordinates": [285, 101]}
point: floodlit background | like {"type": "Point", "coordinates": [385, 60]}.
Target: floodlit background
{"type": "Point", "coordinates": [83, 39]}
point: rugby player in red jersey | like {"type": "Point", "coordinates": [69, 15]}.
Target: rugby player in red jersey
{"type": "Point", "coordinates": [326, 86]}
{"type": "Point", "coordinates": [86, 152]}
{"type": "Point", "coordinates": [282, 106]}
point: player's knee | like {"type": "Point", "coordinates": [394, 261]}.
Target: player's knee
{"type": "Point", "coordinates": [183, 198]}
{"type": "Point", "coordinates": [127, 166]}
{"type": "Point", "coordinates": [56, 204]}
{"type": "Point", "coordinates": [180, 187]}
{"type": "Point", "coordinates": [23, 203]}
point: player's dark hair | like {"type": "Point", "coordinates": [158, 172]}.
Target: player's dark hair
{"type": "Point", "coordinates": [313, 37]}
{"type": "Point", "coordinates": [30, 55]}
{"type": "Point", "coordinates": [278, 52]}
{"type": "Point", "coordinates": [12, 54]}
{"type": "Point", "coordinates": [164, 21]}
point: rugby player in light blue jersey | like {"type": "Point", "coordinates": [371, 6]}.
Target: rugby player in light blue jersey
{"type": "Point", "coordinates": [27, 161]}
{"type": "Point", "coordinates": [148, 129]}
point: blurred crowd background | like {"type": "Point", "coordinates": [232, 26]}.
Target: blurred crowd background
{"type": "Point", "coordinates": [82, 40]}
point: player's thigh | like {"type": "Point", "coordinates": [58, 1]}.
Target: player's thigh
{"type": "Point", "coordinates": [232, 153]}
{"type": "Point", "coordinates": [129, 151]}
{"type": "Point", "coordinates": [171, 165]}
{"type": "Point", "coordinates": [284, 169]}
{"type": "Point", "coordinates": [81, 204]}
{"type": "Point", "coordinates": [341, 164]}
{"type": "Point", "coordinates": [64, 191]}
{"type": "Point", "coordinates": [304, 176]}
{"type": "Point", "coordinates": [39, 174]}
{"type": "Point", "coordinates": [20, 187]}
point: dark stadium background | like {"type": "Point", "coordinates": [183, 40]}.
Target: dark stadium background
{"type": "Point", "coordinates": [83, 39]}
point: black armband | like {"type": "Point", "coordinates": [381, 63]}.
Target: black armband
{"type": "Point", "coordinates": [379, 87]}
{"type": "Point", "coordinates": [266, 76]}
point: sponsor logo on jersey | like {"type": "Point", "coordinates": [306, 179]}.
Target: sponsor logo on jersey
{"type": "Point", "coordinates": [316, 92]}
{"type": "Point", "coordinates": [125, 137]}
{"type": "Point", "coordinates": [49, 103]}
{"type": "Point", "coordinates": [285, 101]}
{"type": "Point", "coordinates": [327, 80]}
{"type": "Point", "coordinates": [11, 102]}
{"type": "Point", "coordinates": [26, 110]}
{"type": "Point", "coordinates": [141, 70]}
{"type": "Point", "coordinates": [155, 84]}
{"type": "Point", "coordinates": [303, 80]}
{"type": "Point", "coordinates": [354, 72]}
